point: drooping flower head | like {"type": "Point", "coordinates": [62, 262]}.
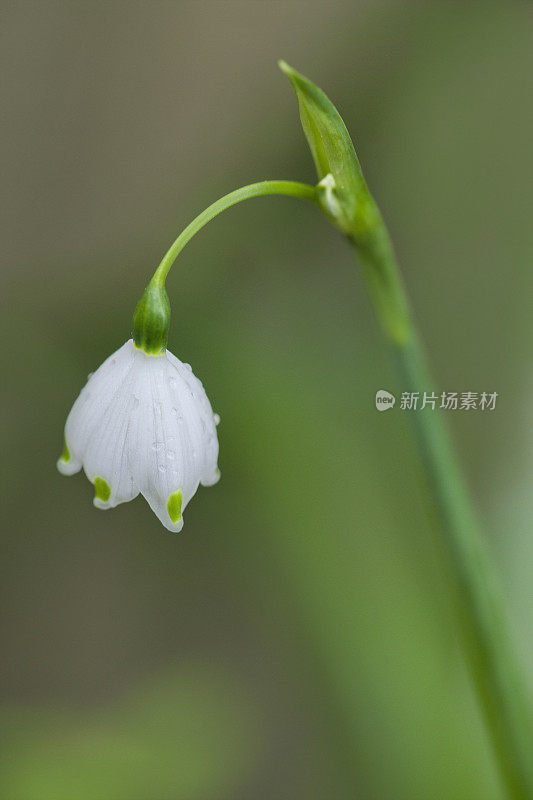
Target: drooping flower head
{"type": "Point", "coordinates": [143, 424]}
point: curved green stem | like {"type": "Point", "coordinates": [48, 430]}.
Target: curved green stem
{"type": "Point", "coordinates": [290, 188]}
{"type": "Point", "coordinates": [501, 687]}
{"type": "Point", "coordinates": [151, 318]}
{"type": "Point", "coordinates": [492, 658]}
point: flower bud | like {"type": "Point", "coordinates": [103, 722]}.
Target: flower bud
{"type": "Point", "coordinates": [151, 320]}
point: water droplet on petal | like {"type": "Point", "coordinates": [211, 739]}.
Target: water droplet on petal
{"type": "Point", "coordinates": [188, 366]}
{"type": "Point", "coordinates": [89, 376]}
{"type": "Point", "coordinates": [135, 401]}
{"type": "Point", "coordinates": [216, 417]}
{"type": "Point", "coordinates": [162, 468]}
{"type": "Point", "coordinates": [157, 446]}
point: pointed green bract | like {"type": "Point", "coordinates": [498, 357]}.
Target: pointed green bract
{"type": "Point", "coordinates": [344, 198]}
{"type": "Point", "coordinates": [333, 153]}
{"type": "Point", "coordinates": [102, 490]}
{"type": "Point", "coordinates": [174, 506]}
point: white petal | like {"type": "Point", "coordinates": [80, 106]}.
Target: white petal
{"type": "Point", "coordinates": [106, 455]}
{"type": "Point", "coordinates": [95, 398]}
{"type": "Point", "coordinates": [160, 453]}
{"type": "Point", "coordinates": [174, 445]}
{"type": "Point", "coordinates": [196, 409]}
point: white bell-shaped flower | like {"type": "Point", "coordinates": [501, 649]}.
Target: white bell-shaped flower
{"type": "Point", "coordinates": [143, 424]}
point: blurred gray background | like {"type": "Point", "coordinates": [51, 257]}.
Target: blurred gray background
{"type": "Point", "coordinates": [297, 640]}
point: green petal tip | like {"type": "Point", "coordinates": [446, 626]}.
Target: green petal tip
{"type": "Point", "coordinates": [65, 455]}
{"type": "Point", "coordinates": [102, 490]}
{"type": "Point", "coordinates": [174, 506]}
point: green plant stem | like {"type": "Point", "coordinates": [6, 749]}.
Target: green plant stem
{"type": "Point", "coordinates": [493, 660]}
{"type": "Point", "coordinates": [260, 189]}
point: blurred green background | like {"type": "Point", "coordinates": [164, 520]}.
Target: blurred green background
{"type": "Point", "coordinates": [297, 639]}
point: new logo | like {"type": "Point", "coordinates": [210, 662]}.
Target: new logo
{"type": "Point", "coordinates": [384, 400]}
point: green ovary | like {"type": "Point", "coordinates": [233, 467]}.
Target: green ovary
{"type": "Point", "coordinates": [102, 490]}
{"type": "Point", "coordinates": [174, 506]}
